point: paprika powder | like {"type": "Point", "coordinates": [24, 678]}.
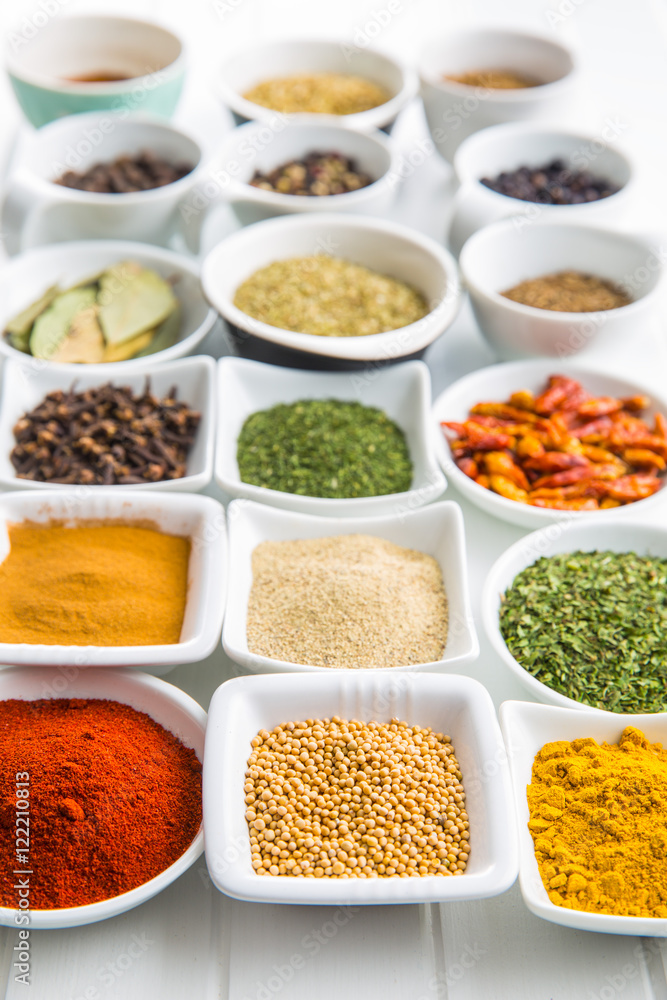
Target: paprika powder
{"type": "Point", "coordinates": [113, 799]}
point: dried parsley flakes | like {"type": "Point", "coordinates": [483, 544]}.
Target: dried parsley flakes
{"type": "Point", "coordinates": [324, 448]}
{"type": "Point", "coordinates": [593, 626]}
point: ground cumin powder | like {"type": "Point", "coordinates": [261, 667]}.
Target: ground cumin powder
{"type": "Point", "coordinates": [112, 584]}
{"type": "Point", "coordinates": [347, 601]}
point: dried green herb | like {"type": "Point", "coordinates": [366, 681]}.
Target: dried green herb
{"type": "Point", "coordinates": [324, 448]}
{"type": "Point", "coordinates": [593, 626]}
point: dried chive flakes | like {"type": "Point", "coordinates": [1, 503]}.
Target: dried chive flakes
{"type": "Point", "coordinates": [593, 627]}
{"type": "Point", "coordinates": [324, 448]}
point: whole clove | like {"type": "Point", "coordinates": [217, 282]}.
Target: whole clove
{"type": "Point", "coordinates": [142, 172]}
{"type": "Point", "coordinates": [105, 436]}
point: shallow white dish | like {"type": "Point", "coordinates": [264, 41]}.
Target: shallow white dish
{"type": "Point", "coordinates": [502, 255]}
{"type": "Point", "coordinates": [175, 710]}
{"type": "Point", "coordinates": [495, 384]}
{"type": "Point", "coordinates": [246, 69]}
{"type": "Point", "coordinates": [378, 244]}
{"type": "Point", "coordinates": [436, 530]}
{"type": "Point", "coordinates": [23, 389]}
{"type": "Point", "coordinates": [25, 278]}
{"type": "Point", "coordinates": [401, 391]}
{"type": "Point", "coordinates": [569, 536]}
{"type": "Point", "coordinates": [243, 152]}
{"type": "Point", "coordinates": [451, 704]}
{"type": "Point", "coordinates": [532, 144]}
{"type": "Point", "coordinates": [200, 518]}
{"type": "Point", "coordinates": [526, 729]}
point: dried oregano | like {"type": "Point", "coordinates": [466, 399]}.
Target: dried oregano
{"type": "Point", "coordinates": [593, 626]}
{"type": "Point", "coordinates": [324, 448]}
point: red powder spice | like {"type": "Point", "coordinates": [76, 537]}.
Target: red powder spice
{"type": "Point", "coordinates": [114, 799]}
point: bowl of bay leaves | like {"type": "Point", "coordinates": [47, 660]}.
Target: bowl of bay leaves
{"type": "Point", "coordinates": [98, 301]}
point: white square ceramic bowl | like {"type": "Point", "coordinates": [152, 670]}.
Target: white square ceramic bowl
{"type": "Point", "coordinates": [402, 391]}
{"type": "Point", "coordinates": [495, 384]}
{"type": "Point", "coordinates": [570, 536]}
{"type": "Point", "coordinates": [201, 518]}
{"type": "Point", "coordinates": [457, 706]}
{"type": "Point", "coordinates": [526, 729]}
{"type": "Point", "coordinates": [436, 530]}
{"type": "Point", "coordinates": [172, 708]}
{"type": "Point", "coordinates": [24, 388]}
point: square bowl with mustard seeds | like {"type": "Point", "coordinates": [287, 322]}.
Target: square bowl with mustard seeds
{"type": "Point", "coordinates": [315, 594]}
{"type": "Point", "coordinates": [107, 578]}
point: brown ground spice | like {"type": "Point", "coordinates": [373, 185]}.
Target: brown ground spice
{"type": "Point", "coordinates": [494, 79]}
{"type": "Point", "coordinates": [569, 291]}
{"type": "Point", "coordinates": [347, 601]}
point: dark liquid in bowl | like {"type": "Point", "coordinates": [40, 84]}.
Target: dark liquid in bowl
{"type": "Point", "coordinates": [101, 77]}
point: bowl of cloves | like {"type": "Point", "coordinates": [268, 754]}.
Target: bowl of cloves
{"type": "Point", "coordinates": [116, 428]}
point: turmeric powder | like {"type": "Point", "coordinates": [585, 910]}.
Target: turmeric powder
{"type": "Point", "coordinates": [598, 818]}
{"type": "Point", "coordinates": [93, 584]}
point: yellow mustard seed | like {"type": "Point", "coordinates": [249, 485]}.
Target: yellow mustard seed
{"type": "Point", "coordinates": [426, 777]}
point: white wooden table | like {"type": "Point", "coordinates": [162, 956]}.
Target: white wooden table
{"type": "Point", "coordinates": [193, 942]}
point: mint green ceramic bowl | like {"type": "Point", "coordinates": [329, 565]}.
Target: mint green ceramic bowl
{"type": "Point", "coordinates": [50, 67]}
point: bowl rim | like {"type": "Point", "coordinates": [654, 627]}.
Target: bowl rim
{"type": "Point", "coordinates": [528, 95]}
{"type": "Point", "coordinates": [533, 128]}
{"type": "Point", "coordinates": [388, 345]}
{"type": "Point", "coordinates": [435, 481]}
{"type": "Point", "coordinates": [505, 509]}
{"type": "Point", "coordinates": [31, 259]}
{"type": "Point", "coordinates": [195, 481]}
{"type": "Point", "coordinates": [496, 230]}
{"type": "Point", "coordinates": [541, 541]}
{"type": "Point", "coordinates": [380, 115]}
{"type": "Point", "coordinates": [511, 714]}
{"type": "Point", "coordinates": [77, 916]}
{"type": "Point", "coordinates": [442, 508]}
{"type": "Point", "coordinates": [99, 88]}
{"type": "Point", "coordinates": [240, 190]}
{"type": "Point", "coordinates": [140, 118]}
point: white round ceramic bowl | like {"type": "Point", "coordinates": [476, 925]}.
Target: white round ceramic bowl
{"type": "Point", "coordinates": [254, 147]}
{"type": "Point", "coordinates": [455, 110]}
{"type": "Point", "coordinates": [168, 705]}
{"type": "Point", "coordinates": [36, 210]}
{"type": "Point", "coordinates": [25, 278]}
{"type": "Point", "coordinates": [615, 535]}
{"type": "Point", "coordinates": [507, 147]}
{"type": "Point", "coordinates": [496, 384]}
{"type": "Point", "coordinates": [378, 244]}
{"type": "Point", "coordinates": [501, 255]}
{"type": "Point", "coordinates": [246, 69]}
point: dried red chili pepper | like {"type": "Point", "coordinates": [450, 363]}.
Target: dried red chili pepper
{"type": "Point", "coordinates": [114, 799]}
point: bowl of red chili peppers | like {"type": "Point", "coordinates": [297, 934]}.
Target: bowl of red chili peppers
{"type": "Point", "coordinates": [100, 778]}
{"type": "Point", "coordinates": [533, 442]}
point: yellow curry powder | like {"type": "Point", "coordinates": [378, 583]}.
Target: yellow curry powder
{"type": "Point", "coordinates": [598, 817]}
{"type": "Point", "coordinates": [108, 584]}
